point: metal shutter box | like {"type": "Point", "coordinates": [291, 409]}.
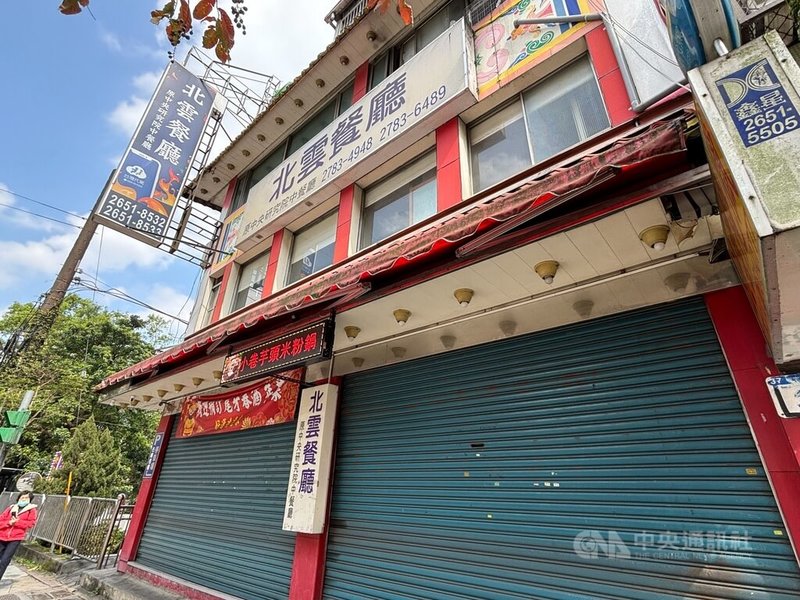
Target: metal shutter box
{"type": "Point", "coordinates": [498, 472]}
{"type": "Point", "coordinates": [217, 513]}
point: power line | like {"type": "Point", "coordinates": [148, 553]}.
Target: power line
{"type": "Point", "coordinates": [12, 207]}
{"type": "Point", "coordinates": [120, 295]}
{"type": "Point", "coordinates": [29, 199]}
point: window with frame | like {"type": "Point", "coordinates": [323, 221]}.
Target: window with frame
{"type": "Point", "coordinates": [312, 249]}
{"type": "Point", "coordinates": [215, 283]}
{"type": "Point", "coordinates": [262, 169]}
{"type": "Point", "coordinates": [399, 201]}
{"type": "Point", "coordinates": [250, 282]}
{"type": "Point", "coordinates": [423, 35]}
{"type": "Point", "coordinates": [560, 111]}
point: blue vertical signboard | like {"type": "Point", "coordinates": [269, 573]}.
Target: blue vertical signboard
{"type": "Point", "coordinates": [758, 104]}
{"type": "Point", "coordinates": [153, 170]}
{"type": "Point", "coordinates": [150, 468]}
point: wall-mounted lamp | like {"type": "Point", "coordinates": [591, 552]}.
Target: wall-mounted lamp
{"type": "Point", "coordinates": [343, 60]}
{"type": "Point", "coordinates": [298, 102]}
{"type": "Point", "coordinates": [464, 296]}
{"type": "Point", "coordinates": [245, 152]}
{"type": "Point", "coordinates": [508, 327]}
{"type": "Point", "coordinates": [197, 381]}
{"type": "Point", "coordinates": [583, 308]}
{"type": "Point", "coordinates": [320, 83]}
{"type": "Point", "coordinates": [134, 401]}
{"type": "Point", "coordinates": [178, 387]}
{"type": "Point", "coordinates": [398, 351]}
{"type": "Point", "coordinates": [217, 375]}
{"type": "Point", "coordinates": [546, 269]}
{"type": "Point", "coordinates": [216, 179]}
{"type": "Point", "coordinates": [448, 341]}
{"type": "Point", "coordinates": [231, 166]}
{"type": "Point", "coordinates": [358, 361]}
{"type": "Point", "coordinates": [146, 398]}
{"type": "Point", "coordinates": [655, 237]}
{"type": "Point", "coordinates": [677, 282]}
{"type": "Point", "coordinates": [261, 137]}
{"type": "Point", "coordinates": [279, 120]}
{"type": "Point", "coordinates": [161, 393]}
{"type": "Point", "coordinates": [351, 331]}
{"type": "Point", "coordinates": [203, 190]}
{"type": "Point", "coordinates": [372, 36]}
{"type": "Point", "coordinates": [401, 315]}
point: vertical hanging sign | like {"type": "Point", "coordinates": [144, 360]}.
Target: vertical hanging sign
{"type": "Point", "coordinates": [153, 170]}
{"type": "Point", "coordinates": [150, 468]}
{"type": "Point", "coordinates": [309, 478]}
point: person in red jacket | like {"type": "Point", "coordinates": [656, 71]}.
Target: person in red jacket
{"type": "Point", "coordinates": [15, 521]}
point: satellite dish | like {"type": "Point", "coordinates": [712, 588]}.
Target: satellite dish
{"type": "Point", "coordinates": [26, 482]}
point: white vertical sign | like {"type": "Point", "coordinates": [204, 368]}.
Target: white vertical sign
{"type": "Point", "coordinates": [309, 478]}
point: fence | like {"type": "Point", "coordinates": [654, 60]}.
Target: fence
{"type": "Point", "coordinates": [91, 528]}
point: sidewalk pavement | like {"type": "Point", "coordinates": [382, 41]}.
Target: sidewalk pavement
{"type": "Point", "coordinates": [21, 584]}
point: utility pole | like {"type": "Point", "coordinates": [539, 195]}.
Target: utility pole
{"type": "Point", "coordinates": [46, 313]}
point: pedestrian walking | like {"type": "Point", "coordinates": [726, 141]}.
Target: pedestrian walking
{"type": "Point", "coordinates": [15, 521]}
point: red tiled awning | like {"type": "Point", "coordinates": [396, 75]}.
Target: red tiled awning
{"type": "Point", "coordinates": [528, 197]}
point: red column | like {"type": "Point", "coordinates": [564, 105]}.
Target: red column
{"type": "Point", "coordinates": [361, 82]}
{"type": "Point", "coordinates": [272, 263]}
{"type": "Point", "coordinates": [143, 500]}
{"type": "Point", "coordinates": [777, 439]}
{"type": "Point", "coordinates": [609, 77]}
{"type": "Point", "coordinates": [448, 165]}
{"type": "Point", "coordinates": [308, 568]}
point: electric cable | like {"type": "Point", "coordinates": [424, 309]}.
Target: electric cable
{"type": "Point", "coordinates": [45, 204]}
{"type": "Point", "coordinates": [12, 207]}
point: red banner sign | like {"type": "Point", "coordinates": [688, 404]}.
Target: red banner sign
{"type": "Point", "coordinates": [269, 402]}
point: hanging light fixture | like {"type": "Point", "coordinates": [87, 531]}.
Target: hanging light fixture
{"type": "Point", "coordinates": [464, 296]}
{"type": "Point", "coordinates": [546, 269]}
{"type": "Point", "coordinates": [655, 237]}
{"type": "Point", "coordinates": [351, 331]}
{"type": "Point", "coordinates": [401, 315]}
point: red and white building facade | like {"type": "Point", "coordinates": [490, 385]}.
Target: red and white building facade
{"type": "Point", "coordinates": [544, 377]}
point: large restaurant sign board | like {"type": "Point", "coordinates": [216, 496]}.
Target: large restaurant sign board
{"type": "Point", "coordinates": [309, 478]}
{"type": "Point", "coordinates": [269, 402]}
{"type": "Point", "coordinates": [149, 180]}
{"type": "Point", "coordinates": [438, 74]}
{"type": "Point", "coordinates": [304, 346]}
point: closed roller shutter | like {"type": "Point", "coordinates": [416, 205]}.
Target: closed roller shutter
{"type": "Point", "coordinates": [470, 475]}
{"type": "Point", "coordinates": [217, 513]}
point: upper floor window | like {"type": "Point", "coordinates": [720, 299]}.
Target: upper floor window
{"type": "Point", "coordinates": [399, 201]}
{"type": "Point", "coordinates": [266, 166]}
{"type": "Point", "coordinates": [215, 283]}
{"type": "Point", "coordinates": [561, 111]}
{"type": "Point", "coordinates": [313, 248]}
{"type": "Point", "coordinates": [250, 282]}
{"type": "Point", "coordinates": [423, 35]}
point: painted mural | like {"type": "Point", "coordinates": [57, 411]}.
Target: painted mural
{"type": "Point", "coordinates": [503, 52]}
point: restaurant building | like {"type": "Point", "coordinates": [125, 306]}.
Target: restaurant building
{"type": "Point", "coordinates": [514, 359]}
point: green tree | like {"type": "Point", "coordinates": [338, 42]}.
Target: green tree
{"type": "Point", "coordinates": [93, 458]}
{"type": "Point", "coordinates": [85, 344]}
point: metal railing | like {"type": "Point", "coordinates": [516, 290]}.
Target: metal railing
{"type": "Point", "coordinates": [92, 528]}
{"type": "Point", "coordinates": [756, 17]}
{"type": "Point", "coordinates": [351, 16]}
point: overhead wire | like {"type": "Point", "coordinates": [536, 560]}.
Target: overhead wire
{"type": "Point", "coordinates": [45, 204]}
{"type": "Point", "coordinates": [41, 216]}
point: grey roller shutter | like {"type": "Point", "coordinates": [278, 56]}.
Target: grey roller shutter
{"type": "Point", "coordinates": [217, 513]}
{"type": "Point", "coordinates": [508, 470]}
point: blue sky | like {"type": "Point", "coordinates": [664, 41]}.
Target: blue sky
{"type": "Point", "coordinates": [74, 90]}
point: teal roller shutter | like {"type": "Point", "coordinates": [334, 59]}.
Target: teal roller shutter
{"type": "Point", "coordinates": [217, 513]}
{"type": "Point", "coordinates": [609, 459]}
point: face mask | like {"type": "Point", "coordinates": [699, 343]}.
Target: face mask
{"type": "Point", "coordinates": [23, 503]}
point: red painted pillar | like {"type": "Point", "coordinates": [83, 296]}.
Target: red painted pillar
{"type": "Point", "coordinates": [609, 77]}
{"type": "Point", "coordinates": [448, 165]}
{"type": "Point", "coordinates": [308, 568]}
{"type": "Point", "coordinates": [361, 82]}
{"type": "Point", "coordinates": [130, 546]}
{"type": "Point", "coordinates": [777, 439]}
{"type": "Point", "coordinates": [272, 263]}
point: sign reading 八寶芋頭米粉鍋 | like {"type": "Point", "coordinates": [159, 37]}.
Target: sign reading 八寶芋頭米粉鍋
{"type": "Point", "coordinates": [301, 347]}
{"type": "Point", "coordinates": [148, 182]}
{"type": "Point", "coordinates": [309, 476]}
{"type": "Point", "coordinates": [438, 75]}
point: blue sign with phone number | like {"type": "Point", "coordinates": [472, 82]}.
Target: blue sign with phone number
{"type": "Point", "coordinates": [758, 103]}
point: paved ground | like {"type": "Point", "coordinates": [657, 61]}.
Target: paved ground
{"type": "Point", "coordinates": [21, 584]}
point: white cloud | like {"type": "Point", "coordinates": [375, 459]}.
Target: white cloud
{"type": "Point", "coordinates": [127, 114]}
{"type": "Point", "coordinates": [111, 41]}
{"type": "Point", "coordinates": [146, 83]}
{"type": "Point", "coordinates": [22, 219]}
